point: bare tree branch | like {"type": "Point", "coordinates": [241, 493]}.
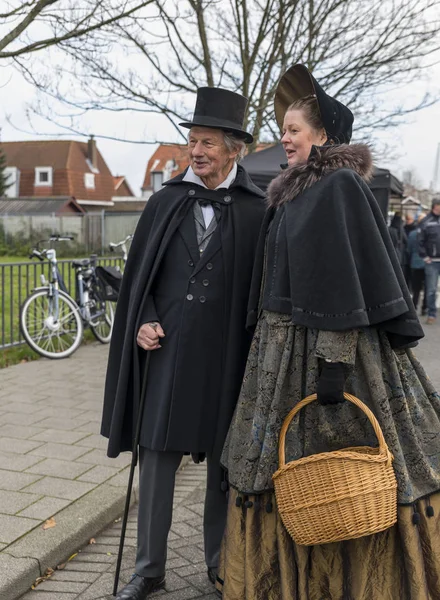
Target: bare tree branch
{"type": "Point", "coordinates": [74, 27]}
{"type": "Point", "coordinates": [80, 132]}
{"type": "Point", "coordinates": [21, 9]}
{"type": "Point", "coordinates": [198, 7]}
{"type": "Point", "coordinates": [28, 19]}
{"type": "Point", "coordinates": [358, 49]}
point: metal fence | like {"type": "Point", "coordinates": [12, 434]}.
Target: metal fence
{"type": "Point", "coordinates": [17, 280]}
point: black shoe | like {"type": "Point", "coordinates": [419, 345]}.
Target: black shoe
{"type": "Point", "coordinates": [138, 588]}
{"type": "Point", "coordinates": [212, 575]}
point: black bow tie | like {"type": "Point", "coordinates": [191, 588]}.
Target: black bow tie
{"type": "Point", "coordinates": [215, 205]}
{"type": "Point", "coordinates": [205, 196]}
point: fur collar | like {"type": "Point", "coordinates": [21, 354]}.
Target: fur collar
{"type": "Point", "coordinates": [322, 161]}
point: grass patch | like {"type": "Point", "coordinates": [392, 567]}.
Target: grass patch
{"type": "Point", "coordinates": [13, 259]}
{"type": "Point", "coordinates": [24, 354]}
{"type": "Point", "coordinates": [16, 355]}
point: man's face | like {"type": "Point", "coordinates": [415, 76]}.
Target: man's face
{"type": "Point", "coordinates": [208, 154]}
{"type": "Point", "coordinates": [436, 209]}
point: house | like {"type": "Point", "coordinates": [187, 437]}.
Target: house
{"type": "Point", "coordinates": [60, 169]}
{"type": "Point", "coordinates": [168, 161]}
{"type": "Point", "coordinates": [410, 204]}
{"type": "Point", "coordinates": [122, 187]}
{"type": "Point", "coordinates": [424, 196]}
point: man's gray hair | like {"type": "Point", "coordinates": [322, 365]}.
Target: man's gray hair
{"type": "Point", "coordinates": [233, 142]}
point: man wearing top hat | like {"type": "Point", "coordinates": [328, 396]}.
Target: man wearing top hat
{"type": "Point", "coordinates": [184, 298]}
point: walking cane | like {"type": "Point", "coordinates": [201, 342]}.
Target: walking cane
{"type": "Point", "coordinates": [134, 459]}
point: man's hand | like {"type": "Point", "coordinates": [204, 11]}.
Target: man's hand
{"type": "Point", "coordinates": [427, 260]}
{"type": "Point", "coordinates": [149, 335]}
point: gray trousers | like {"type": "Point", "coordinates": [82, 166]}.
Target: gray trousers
{"type": "Point", "coordinates": [157, 473]}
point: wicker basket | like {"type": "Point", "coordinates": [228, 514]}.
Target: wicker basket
{"type": "Point", "coordinates": [339, 495]}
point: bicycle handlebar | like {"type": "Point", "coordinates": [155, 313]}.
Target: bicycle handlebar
{"type": "Point", "coordinates": [56, 237]}
{"type": "Point", "coordinates": [113, 245]}
{"type": "Point", "coordinates": [40, 254]}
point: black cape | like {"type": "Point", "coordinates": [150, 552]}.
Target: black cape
{"type": "Point", "coordinates": [163, 215]}
{"type": "Point", "coordinates": [343, 271]}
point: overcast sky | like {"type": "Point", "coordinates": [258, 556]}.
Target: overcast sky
{"type": "Point", "coordinates": [415, 144]}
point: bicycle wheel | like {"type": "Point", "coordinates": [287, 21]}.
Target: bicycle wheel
{"type": "Point", "coordinates": [51, 337]}
{"type": "Point", "coordinates": [102, 324]}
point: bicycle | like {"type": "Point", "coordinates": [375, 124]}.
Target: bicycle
{"type": "Point", "coordinates": [51, 320]}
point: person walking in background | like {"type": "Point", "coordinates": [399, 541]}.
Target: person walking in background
{"type": "Point", "coordinates": [398, 237]}
{"type": "Point", "coordinates": [184, 298]}
{"type": "Point", "coordinates": [410, 225]}
{"type": "Point", "coordinates": [417, 267]}
{"type": "Point", "coordinates": [429, 249]}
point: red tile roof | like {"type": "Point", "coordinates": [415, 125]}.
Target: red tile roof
{"type": "Point", "coordinates": [68, 160]}
{"type": "Point", "coordinates": [159, 159]}
{"type": "Point", "coordinates": [122, 187]}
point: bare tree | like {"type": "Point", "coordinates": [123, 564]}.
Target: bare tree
{"type": "Point", "coordinates": [360, 50]}
{"type": "Point", "coordinates": [411, 178]}
{"type": "Point", "coordinates": [28, 27]}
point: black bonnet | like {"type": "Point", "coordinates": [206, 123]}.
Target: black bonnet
{"type": "Point", "coordinates": [297, 82]}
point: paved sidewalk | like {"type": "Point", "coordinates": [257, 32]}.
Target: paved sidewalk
{"type": "Point", "coordinates": [53, 463]}
{"type": "Point", "coordinates": [90, 574]}
{"type": "Point", "coordinates": [428, 351]}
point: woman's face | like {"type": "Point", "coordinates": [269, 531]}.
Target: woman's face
{"type": "Point", "coordinates": [298, 137]}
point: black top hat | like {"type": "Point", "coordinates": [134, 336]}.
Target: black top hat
{"type": "Point", "coordinates": [297, 82]}
{"type": "Point", "coordinates": [220, 109]}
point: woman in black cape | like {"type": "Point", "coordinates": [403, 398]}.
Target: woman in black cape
{"type": "Point", "coordinates": [332, 314]}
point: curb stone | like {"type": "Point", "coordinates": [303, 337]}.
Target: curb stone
{"type": "Point", "coordinates": [90, 574]}
{"type": "Point", "coordinates": [23, 561]}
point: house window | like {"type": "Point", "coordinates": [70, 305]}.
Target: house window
{"type": "Point", "coordinates": [43, 176]}
{"type": "Point", "coordinates": [89, 181]}
{"type": "Point", "coordinates": [156, 180]}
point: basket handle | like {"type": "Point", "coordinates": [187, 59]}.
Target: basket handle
{"type": "Point", "coordinates": [282, 441]}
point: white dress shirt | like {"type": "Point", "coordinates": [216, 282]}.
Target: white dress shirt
{"type": "Point", "coordinates": [208, 211]}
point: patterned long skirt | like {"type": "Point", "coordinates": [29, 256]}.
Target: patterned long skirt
{"type": "Point", "coordinates": [259, 559]}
